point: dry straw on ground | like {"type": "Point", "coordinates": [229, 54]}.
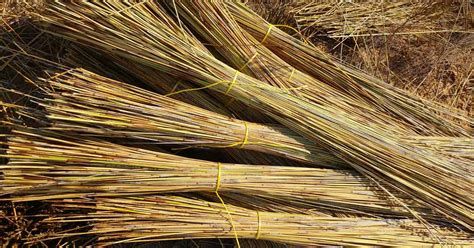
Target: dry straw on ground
{"type": "Point", "coordinates": [91, 156]}
{"type": "Point", "coordinates": [371, 150]}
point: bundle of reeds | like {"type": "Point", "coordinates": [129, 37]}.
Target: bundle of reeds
{"type": "Point", "coordinates": [427, 177]}
{"type": "Point", "coordinates": [223, 33]}
{"type": "Point", "coordinates": [46, 165]}
{"type": "Point", "coordinates": [74, 108]}
{"type": "Point", "coordinates": [419, 112]}
{"type": "Point", "coordinates": [166, 84]}
{"type": "Point", "coordinates": [79, 89]}
{"type": "Point", "coordinates": [122, 69]}
{"type": "Point", "coordinates": [85, 103]}
{"type": "Point", "coordinates": [154, 218]}
{"type": "Point", "coordinates": [244, 53]}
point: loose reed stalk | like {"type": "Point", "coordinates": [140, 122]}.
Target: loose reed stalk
{"type": "Point", "coordinates": [430, 178]}
{"type": "Point", "coordinates": [411, 109]}
{"type": "Point", "coordinates": [155, 218]}
{"type": "Point", "coordinates": [44, 165]}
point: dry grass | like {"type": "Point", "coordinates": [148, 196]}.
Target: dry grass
{"type": "Point", "coordinates": [435, 66]}
{"type": "Point", "coordinates": [14, 10]}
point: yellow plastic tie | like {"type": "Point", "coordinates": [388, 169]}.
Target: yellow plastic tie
{"type": "Point", "coordinates": [257, 236]}
{"type": "Point", "coordinates": [248, 62]}
{"type": "Point", "coordinates": [218, 184]}
{"type": "Point", "coordinates": [282, 26]}
{"type": "Point", "coordinates": [199, 88]}
{"type": "Point", "coordinates": [175, 87]}
{"type": "Point", "coordinates": [218, 181]}
{"type": "Point", "coordinates": [267, 34]}
{"type": "Point", "coordinates": [291, 75]}
{"type": "Point", "coordinates": [232, 83]}
{"type": "Point", "coordinates": [246, 137]}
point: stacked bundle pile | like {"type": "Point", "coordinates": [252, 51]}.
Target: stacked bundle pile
{"type": "Point", "coordinates": [199, 120]}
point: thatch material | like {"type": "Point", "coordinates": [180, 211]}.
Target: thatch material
{"type": "Point", "coordinates": [244, 53]}
{"type": "Point", "coordinates": [408, 107]}
{"type": "Point", "coordinates": [44, 165]}
{"type": "Point", "coordinates": [82, 102]}
{"type": "Point", "coordinates": [427, 177]}
{"type": "Point", "coordinates": [227, 132]}
{"type": "Point", "coordinates": [154, 218]}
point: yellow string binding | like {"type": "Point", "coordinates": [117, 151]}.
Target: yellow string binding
{"type": "Point", "coordinates": [199, 88]}
{"type": "Point", "coordinates": [248, 62]}
{"type": "Point", "coordinates": [218, 184]}
{"type": "Point", "coordinates": [232, 83]}
{"type": "Point", "coordinates": [270, 27]}
{"type": "Point", "coordinates": [257, 236]}
{"type": "Point", "coordinates": [245, 141]}
{"type": "Point", "coordinates": [268, 33]}
{"type": "Point", "coordinates": [246, 137]}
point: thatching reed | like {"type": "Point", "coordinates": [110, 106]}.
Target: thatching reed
{"type": "Point", "coordinates": [121, 69]}
{"type": "Point", "coordinates": [429, 178]}
{"type": "Point", "coordinates": [154, 218]}
{"type": "Point", "coordinates": [241, 50]}
{"type": "Point", "coordinates": [420, 113]}
{"type": "Point", "coordinates": [81, 102]}
{"type": "Point", "coordinates": [426, 55]}
{"type": "Point", "coordinates": [44, 165]}
{"type": "Point", "coordinates": [271, 139]}
{"type": "Point", "coordinates": [85, 103]}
